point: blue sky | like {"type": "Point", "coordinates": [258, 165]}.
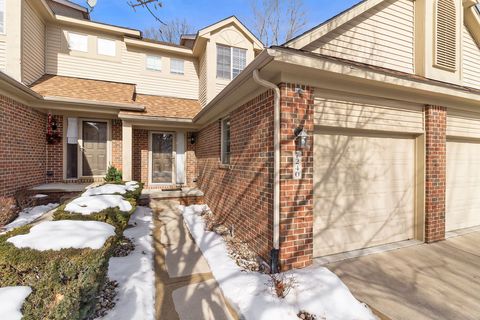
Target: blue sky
{"type": "Point", "coordinates": [201, 13]}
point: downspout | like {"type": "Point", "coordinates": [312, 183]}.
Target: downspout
{"type": "Point", "coordinates": [274, 253]}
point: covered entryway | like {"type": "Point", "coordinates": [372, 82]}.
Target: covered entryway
{"type": "Point", "coordinates": [463, 184]}
{"type": "Point", "coordinates": [94, 148]}
{"type": "Point", "coordinates": [364, 189]}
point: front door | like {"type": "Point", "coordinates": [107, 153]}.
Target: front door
{"type": "Point", "coordinates": [162, 158]}
{"type": "Point", "coordinates": [94, 148]}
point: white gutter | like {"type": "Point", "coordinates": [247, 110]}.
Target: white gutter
{"type": "Point", "coordinates": [276, 157]}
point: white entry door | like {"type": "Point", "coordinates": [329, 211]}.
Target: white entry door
{"type": "Point", "coordinates": [364, 189]}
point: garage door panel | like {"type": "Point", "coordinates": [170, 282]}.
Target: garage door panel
{"type": "Point", "coordinates": [463, 185]}
{"type": "Point", "coordinates": [364, 191]}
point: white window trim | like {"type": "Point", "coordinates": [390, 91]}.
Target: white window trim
{"type": "Point", "coordinates": [114, 46]}
{"type": "Point", "coordinates": [150, 159]}
{"type": "Point", "coordinates": [156, 56]}
{"type": "Point", "coordinates": [222, 141]}
{"type": "Point", "coordinates": [177, 73]}
{"type": "Point", "coordinates": [231, 61]}
{"type": "Point", "coordinates": [78, 34]}
{"type": "Point", "coordinates": [4, 31]}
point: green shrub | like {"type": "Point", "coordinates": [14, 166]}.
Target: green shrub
{"type": "Point", "coordinates": [113, 175]}
{"type": "Point", "coordinates": [64, 283]}
{"type": "Point", "coordinates": [113, 216]}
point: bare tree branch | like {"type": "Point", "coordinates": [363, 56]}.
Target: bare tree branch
{"type": "Point", "coordinates": [277, 21]}
{"type": "Point", "coordinates": [169, 32]}
{"type": "Point", "coordinates": [151, 5]}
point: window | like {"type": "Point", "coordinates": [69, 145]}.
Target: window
{"type": "Point", "coordinates": [176, 66]}
{"type": "Point", "coordinates": [154, 63]}
{"type": "Point", "coordinates": [106, 47]}
{"type": "Point", "coordinates": [230, 62]}
{"type": "Point", "coordinates": [77, 42]}
{"type": "Point", "coordinates": [2, 16]}
{"type": "Point", "coordinates": [225, 141]}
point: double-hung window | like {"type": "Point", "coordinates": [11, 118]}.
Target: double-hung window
{"type": "Point", "coordinates": [77, 42]}
{"type": "Point", "coordinates": [225, 137]}
{"type": "Point", "coordinates": [154, 63]}
{"type": "Point", "coordinates": [230, 62]}
{"type": "Point", "coordinates": [2, 16]}
{"type": "Point", "coordinates": [177, 66]}
{"type": "Point", "coordinates": [106, 47]}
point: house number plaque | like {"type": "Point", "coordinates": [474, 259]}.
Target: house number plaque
{"type": "Point", "coordinates": [297, 165]}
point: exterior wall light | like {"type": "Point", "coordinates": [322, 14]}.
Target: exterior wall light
{"type": "Point", "coordinates": [193, 138]}
{"type": "Point", "coordinates": [301, 138]}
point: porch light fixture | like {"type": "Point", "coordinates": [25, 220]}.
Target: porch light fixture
{"type": "Point", "coordinates": [193, 138]}
{"type": "Point", "coordinates": [301, 137]}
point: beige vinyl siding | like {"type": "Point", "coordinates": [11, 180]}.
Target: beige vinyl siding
{"type": "Point", "coordinates": [462, 124]}
{"type": "Point", "coordinates": [382, 36]}
{"type": "Point", "coordinates": [355, 112]}
{"type": "Point", "coordinates": [33, 61]}
{"type": "Point", "coordinates": [203, 80]}
{"type": "Point", "coordinates": [128, 67]}
{"type": "Point", "coordinates": [470, 61]}
{"type": "Point", "coordinates": [3, 53]}
{"type": "Point", "coordinates": [364, 191]}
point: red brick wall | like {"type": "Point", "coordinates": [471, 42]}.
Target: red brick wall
{"type": "Point", "coordinates": [241, 194]}
{"type": "Point", "coordinates": [296, 196]}
{"type": "Point", "coordinates": [191, 162]}
{"type": "Point", "coordinates": [55, 156]}
{"type": "Point", "coordinates": [140, 155]}
{"type": "Point", "coordinates": [117, 144]}
{"type": "Point", "coordinates": [22, 146]}
{"type": "Point", "coordinates": [435, 172]}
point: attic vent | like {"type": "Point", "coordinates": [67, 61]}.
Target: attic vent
{"type": "Point", "coordinates": [446, 35]}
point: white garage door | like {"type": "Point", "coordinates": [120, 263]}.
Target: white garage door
{"type": "Point", "coordinates": [364, 191]}
{"type": "Point", "coordinates": [463, 185]}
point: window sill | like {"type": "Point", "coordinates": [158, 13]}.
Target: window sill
{"type": "Point", "coordinates": [223, 166]}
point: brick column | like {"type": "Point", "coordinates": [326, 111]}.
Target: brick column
{"type": "Point", "coordinates": [117, 155]}
{"type": "Point", "coordinates": [296, 196]}
{"type": "Point", "coordinates": [54, 161]}
{"type": "Point", "coordinates": [435, 172]}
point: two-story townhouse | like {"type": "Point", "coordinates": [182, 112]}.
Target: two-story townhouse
{"type": "Point", "coordinates": [361, 132]}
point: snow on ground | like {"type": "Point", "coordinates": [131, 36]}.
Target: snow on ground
{"type": "Point", "coordinates": [40, 196]}
{"type": "Point", "coordinates": [317, 290]}
{"type": "Point", "coordinates": [134, 273]}
{"type": "Point", "coordinates": [57, 235]}
{"type": "Point", "coordinates": [87, 205]}
{"type": "Point", "coordinates": [111, 189]}
{"type": "Point", "coordinates": [11, 301]}
{"type": "Point", "coordinates": [29, 215]}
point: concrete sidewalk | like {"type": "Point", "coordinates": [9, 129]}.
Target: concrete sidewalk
{"type": "Point", "coordinates": [185, 288]}
{"type": "Point", "coordinates": [436, 281]}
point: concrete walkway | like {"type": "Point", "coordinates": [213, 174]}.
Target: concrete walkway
{"type": "Point", "coordinates": [436, 281]}
{"type": "Point", "coordinates": [185, 288]}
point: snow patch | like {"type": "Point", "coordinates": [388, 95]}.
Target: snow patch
{"type": "Point", "coordinates": [134, 273]}
{"type": "Point", "coordinates": [111, 189]}
{"type": "Point", "coordinates": [87, 205]}
{"type": "Point", "coordinates": [317, 290]}
{"type": "Point", "coordinates": [57, 235]}
{"type": "Point", "coordinates": [40, 196]}
{"type": "Point", "coordinates": [29, 215]}
{"type": "Point", "coordinates": [11, 301]}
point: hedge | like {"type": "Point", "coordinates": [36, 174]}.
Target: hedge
{"type": "Point", "coordinates": [65, 283]}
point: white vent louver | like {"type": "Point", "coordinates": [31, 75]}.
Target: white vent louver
{"type": "Point", "coordinates": [446, 35]}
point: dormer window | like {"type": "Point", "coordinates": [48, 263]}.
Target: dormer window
{"type": "Point", "coordinates": [2, 16]}
{"type": "Point", "coordinates": [78, 42]}
{"type": "Point", "coordinates": [230, 62]}
{"type": "Point", "coordinates": [446, 35]}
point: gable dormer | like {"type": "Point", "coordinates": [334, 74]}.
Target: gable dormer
{"type": "Point", "coordinates": [438, 39]}
{"type": "Point", "coordinates": [223, 49]}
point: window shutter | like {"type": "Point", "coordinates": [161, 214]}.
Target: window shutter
{"type": "Point", "coordinates": [446, 35]}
